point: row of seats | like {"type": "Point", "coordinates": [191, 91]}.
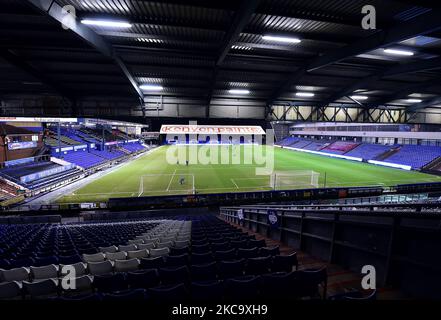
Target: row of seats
{"type": "Point", "coordinates": [107, 154]}
{"type": "Point", "coordinates": [43, 244]}
{"type": "Point", "coordinates": [415, 156]}
{"type": "Point", "coordinates": [95, 261]}
{"type": "Point", "coordinates": [162, 286]}
{"type": "Point", "coordinates": [133, 147]}
{"type": "Point", "coordinates": [198, 264]}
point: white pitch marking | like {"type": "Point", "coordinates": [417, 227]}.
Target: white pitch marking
{"type": "Point", "coordinates": [232, 180]}
{"type": "Point", "coordinates": [171, 179]}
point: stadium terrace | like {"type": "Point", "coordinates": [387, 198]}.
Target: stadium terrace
{"type": "Point", "coordinates": [239, 157]}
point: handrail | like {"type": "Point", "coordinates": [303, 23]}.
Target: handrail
{"type": "Point", "coordinates": [366, 213]}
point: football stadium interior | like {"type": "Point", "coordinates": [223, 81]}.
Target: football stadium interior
{"type": "Point", "coordinates": [197, 151]}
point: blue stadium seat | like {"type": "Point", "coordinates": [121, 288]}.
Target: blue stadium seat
{"type": "Point", "coordinates": [231, 269]}
{"type": "Point", "coordinates": [129, 294]}
{"type": "Point", "coordinates": [201, 272]}
{"type": "Point", "coordinates": [264, 252]}
{"type": "Point", "coordinates": [207, 291]}
{"type": "Point", "coordinates": [174, 275]}
{"type": "Point", "coordinates": [143, 278]}
{"type": "Point", "coordinates": [244, 288]}
{"type": "Point", "coordinates": [225, 255]}
{"type": "Point", "coordinates": [110, 282]}
{"type": "Point", "coordinates": [174, 261]}
{"type": "Point", "coordinates": [284, 263]}
{"type": "Point", "coordinates": [201, 258]}
{"type": "Point", "coordinates": [168, 294]}
{"type": "Point", "coordinates": [257, 266]}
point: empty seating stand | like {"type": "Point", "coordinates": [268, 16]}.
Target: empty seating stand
{"type": "Point", "coordinates": [83, 159]}
{"type": "Point", "coordinates": [368, 151]}
{"type": "Point", "coordinates": [15, 174]}
{"type": "Point", "coordinates": [415, 156]}
{"type": "Point", "coordinates": [110, 262]}
{"type": "Point", "coordinates": [133, 147]}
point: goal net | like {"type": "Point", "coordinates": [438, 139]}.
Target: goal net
{"type": "Point", "coordinates": [175, 183]}
{"type": "Point", "coordinates": [294, 179]}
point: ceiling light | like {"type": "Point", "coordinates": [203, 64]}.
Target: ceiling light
{"type": "Point", "coordinates": [241, 48]}
{"type": "Point", "coordinates": [151, 87]}
{"type": "Point", "coordinates": [106, 23]}
{"type": "Point", "coordinates": [239, 91]}
{"type": "Point", "coordinates": [150, 40]}
{"type": "Point", "coordinates": [398, 52]}
{"type": "Point", "coordinates": [304, 94]}
{"type": "Point", "coordinates": [281, 39]}
{"type": "Point", "coordinates": [414, 100]}
{"type": "Point", "coordinates": [359, 97]}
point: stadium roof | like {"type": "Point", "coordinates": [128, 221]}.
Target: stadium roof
{"type": "Point", "coordinates": [203, 51]}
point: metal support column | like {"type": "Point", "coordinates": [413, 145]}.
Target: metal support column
{"type": "Point", "coordinates": [59, 139]}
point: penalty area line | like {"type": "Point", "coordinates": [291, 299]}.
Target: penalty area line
{"type": "Point", "coordinates": [171, 180]}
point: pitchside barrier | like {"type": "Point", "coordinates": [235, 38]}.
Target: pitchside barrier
{"type": "Point", "coordinates": [231, 199]}
{"type": "Point", "coordinates": [242, 198]}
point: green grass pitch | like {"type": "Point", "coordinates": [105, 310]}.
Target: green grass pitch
{"type": "Point", "coordinates": [150, 175]}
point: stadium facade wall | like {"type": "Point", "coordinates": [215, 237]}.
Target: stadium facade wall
{"type": "Point", "coordinates": [372, 134]}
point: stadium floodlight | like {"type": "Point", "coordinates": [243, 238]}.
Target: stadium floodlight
{"type": "Point", "coordinates": [239, 91]}
{"type": "Point", "coordinates": [304, 94]}
{"type": "Point", "coordinates": [281, 39]}
{"type": "Point", "coordinates": [151, 87]}
{"type": "Point", "coordinates": [412, 100]}
{"type": "Point", "coordinates": [398, 52]}
{"type": "Point", "coordinates": [106, 23]}
{"type": "Point", "coordinates": [357, 97]}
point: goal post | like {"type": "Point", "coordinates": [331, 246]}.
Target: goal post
{"type": "Point", "coordinates": [162, 183]}
{"type": "Point", "coordinates": [294, 179]}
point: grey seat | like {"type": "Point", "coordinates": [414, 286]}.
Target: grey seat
{"type": "Point", "coordinates": [160, 252]}
{"type": "Point", "coordinates": [167, 244]}
{"type": "Point", "coordinates": [153, 240]}
{"type": "Point", "coordinates": [41, 289]}
{"type": "Point", "coordinates": [98, 268]}
{"type": "Point", "coordinates": [147, 246]}
{"type": "Point", "coordinates": [16, 274]}
{"type": "Point", "coordinates": [129, 247]}
{"type": "Point", "coordinates": [183, 238]}
{"type": "Point", "coordinates": [167, 239]}
{"type": "Point", "coordinates": [111, 249]}
{"type": "Point", "coordinates": [120, 255]}
{"type": "Point", "coordinates": [10, 290]}
{"type": "Point", "coordinates": [82, 284]}
{"type": "Point", "coordinates": [136, 241]}
{"type": "Point", "coordinates": [45, 272]}
{"type": "Point", "coordinates": [80, 269]}
{"type": "Point", "coordinates": [138, 254]}
{"type": "Point", "coordinates": [126, 265]}
{"type": "Point", "coordinates": [96, 257]}
{"type": "Point", "coordinates": [181, 244]}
